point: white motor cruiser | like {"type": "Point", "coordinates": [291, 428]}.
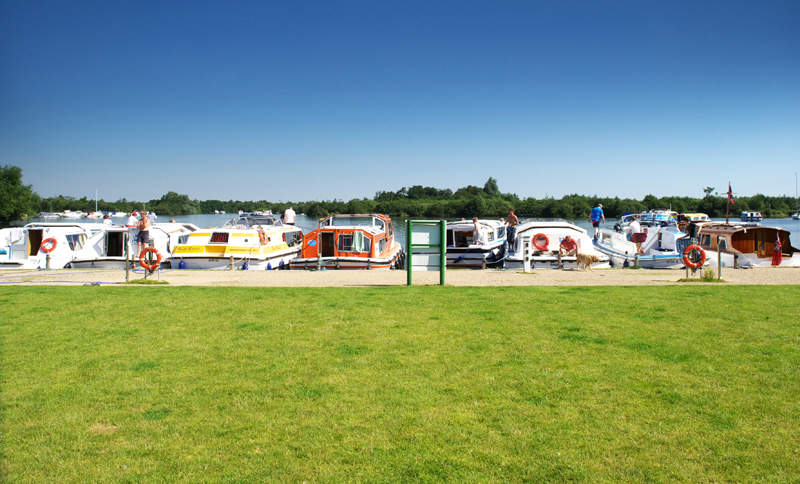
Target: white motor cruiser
{"type": "Point", "coordinates": [43, 245]}
{"type": "Point", "coordinates": [463, 250]}
{"type": "Point", "coordinates": [545, 238]}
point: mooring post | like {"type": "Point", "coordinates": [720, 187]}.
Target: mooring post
{"type": "Point", "coordinates": [126, 239]}
{"type": "Point", "coordinates": [231, 263]}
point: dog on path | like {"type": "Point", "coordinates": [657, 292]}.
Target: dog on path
{"type": "Point", "coordinates": [587, 260]}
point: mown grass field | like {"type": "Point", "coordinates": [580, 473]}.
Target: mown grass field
{"type": "Point", "coordinates": [420, 384]}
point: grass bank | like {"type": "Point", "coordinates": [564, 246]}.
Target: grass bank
{"type": "Point", "coordinates": [421, 384]}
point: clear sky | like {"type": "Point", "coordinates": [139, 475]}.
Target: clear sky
{"type": "Point", "coordinates": [306, 100]}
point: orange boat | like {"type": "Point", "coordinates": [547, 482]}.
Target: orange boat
{"type": "Point", "coordinates": [351, 241]}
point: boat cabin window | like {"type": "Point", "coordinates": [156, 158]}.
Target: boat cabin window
{"type": "Point", "coordinates": [723, 243]}
{"type": "Point", "coordinates": [463, 239]}
{"type": "Point", "coordinates": [219, 238]}
{"type": "Point", "coordinates": [355, 242]}
{"type": "Point", "coordinates": [705, 240]}
{"type": "Point", "coordinates": [391, 230]}
{"type": "Point", "coordinates": [501, 232]}
{"type": "Point", "coordinates": [76, 241]}
{"type": "Point", "coordinates": [381, 245]}
{"type": "Point", "coordinates": [293, 238]}
{"type": "Point", "coordinates": [489, 236]}
{"type": "Point", "coordinates": [339, 221]}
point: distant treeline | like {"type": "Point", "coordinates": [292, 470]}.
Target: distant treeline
{"type": "Point", "coordinates": [429, 202]}
{"type": "Point", "coordinates": [18, 201]}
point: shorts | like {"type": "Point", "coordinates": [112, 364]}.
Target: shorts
{"type": "Point", "coordinates": [564, 251]}
{"type": "Point", "coordinates": [144, 237]}
{"type": "Point", "coordinates": [595, 223]}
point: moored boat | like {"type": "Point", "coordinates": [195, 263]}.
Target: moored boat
{"type": "Point", "coordinates": [661, 242]}
{"type": "Point", "coordinates": [464, 251]}
{"type": "Point", "coordinates": [106, 249]}
{"type": "Point", "coordinates": [748, 245]}
{"type": "Point", "coordinates": [546, 237]}
{"type": "Point", "coordinates": [42, 245]}
{"type": "Point", "coordinates": [248, 241]}
{"type": "Point", "coordinates": [751, 217]}
{"type": "Point", "coordinates": [351, 241]}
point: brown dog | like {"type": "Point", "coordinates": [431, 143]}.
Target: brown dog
{"type": "Point", "coordinates": [587, 260]}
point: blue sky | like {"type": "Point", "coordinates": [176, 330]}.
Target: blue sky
{"type": "Point", "coordinates": [322, 100]}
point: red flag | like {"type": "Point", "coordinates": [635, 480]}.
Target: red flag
{"type": "Point", "coordinates": [730, 195]}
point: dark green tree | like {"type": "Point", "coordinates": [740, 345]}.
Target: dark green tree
{"type": "Point", "coordinates": [17, 201]}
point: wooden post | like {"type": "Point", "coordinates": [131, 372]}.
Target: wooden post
{"type": "Point", "coordinates": [126, 240]}
{"type": "Point", "coordinates": [560, 265]}
{"type": "Point", "coordinates": [410, 250]}
{"type": "Point", "coordinates": [231, 263]}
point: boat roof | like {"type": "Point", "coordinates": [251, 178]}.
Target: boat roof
{"type": "Point", "coordinates": [723, 228]}
{"type": "Point", "coordinates": [468, 223]}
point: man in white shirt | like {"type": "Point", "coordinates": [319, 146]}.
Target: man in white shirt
{"type": "Point", "coordinates": [132, 220]}
{"type": "Point", "coordinates": [152, 217]}
{"type": "Point", "coordinates": [289, 216]}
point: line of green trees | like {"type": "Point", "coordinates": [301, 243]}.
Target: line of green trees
{"type": "Point", "coordinates": [18, 201]}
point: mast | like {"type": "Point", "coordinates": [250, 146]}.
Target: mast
{"type": "Point", "coordinates": [728, 209]}
{"type": "Point", "coordinates": [95, 199]}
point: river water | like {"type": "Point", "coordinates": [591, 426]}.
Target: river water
{"type": "Point", "coordinates": [308, 223]}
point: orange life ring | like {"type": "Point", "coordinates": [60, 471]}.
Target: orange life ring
{"type": "Point", "coordinates": [51, 243]}
{"type": "Point", "coordinates": [546, 241]}
{"type": "Point", "coordinates": [262, 236]}
{"type": "Point", "coordinates": [694, 265]}
{"type": "Point", "coordinates": [143, 258]}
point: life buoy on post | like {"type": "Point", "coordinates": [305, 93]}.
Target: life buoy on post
{"type": "Point", "coordinates": [48, 245]}
{"type": "Point", "coordinates": [536, 241]}
{"type": "Point", "coordinates": [145, 263]}
{"type": "Point", "coordinates": [688, 262]}
{"type": "Point", "coordinates": [262, 236]}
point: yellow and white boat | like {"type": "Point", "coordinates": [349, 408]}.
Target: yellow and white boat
{"type": "Point", "coordinates": [252, 242]}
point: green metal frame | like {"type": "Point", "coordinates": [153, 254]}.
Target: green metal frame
{"type": "Point", "coordinates": [442, 247]}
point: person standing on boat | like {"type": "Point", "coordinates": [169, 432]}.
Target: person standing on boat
{"type": "Point", "coordinates": [144, 232]}
{"type": "Point", "coordinates": [634, 226]}
{"type": "Point", "coordinates": [597, 215]}
{"type": "Point", "coordinates": [511, 232]}
{"type": "Point", "coordinates": [476, 231]}
{"type": "Point", "coordinates": [132, 221]}
{"type": "Point", "coordinates": [152, 217]}
{"type": "Point", "coordinates": [289, 216]}
{"type": "Point", "coordinates": [107, 219]}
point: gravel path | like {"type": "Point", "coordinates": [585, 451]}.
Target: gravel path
{"type": "Point", "coordinates": [545, 277]}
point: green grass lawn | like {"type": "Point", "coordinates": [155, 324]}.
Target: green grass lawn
{"type": "Point", "coordinates": [399, 384]}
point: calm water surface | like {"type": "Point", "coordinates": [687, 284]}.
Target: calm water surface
{"type": "Point", "coordinates": [308, 223]}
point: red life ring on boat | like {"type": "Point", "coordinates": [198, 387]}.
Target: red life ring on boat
{"type": "Point", "coordinates": [262, 236]}
{"type": "Point", "coordinates": [694, 265]}
{"type": "Point", "coordinates": [541, 236]}
{"type": "Point", "coordinates": [143, 258]}
{"type": "Point", "coordinates": [48, 245]}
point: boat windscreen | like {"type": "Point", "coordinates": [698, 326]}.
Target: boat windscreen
{"type": "Point", "coordinates": [253, 221]}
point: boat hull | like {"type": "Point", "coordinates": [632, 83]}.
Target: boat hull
{"type": "Point", "coordinates": [212, 263]}
{"type": "Point", "coordinates": [392, 261]}
{"type": "Point", "coordinates": [474, 257]}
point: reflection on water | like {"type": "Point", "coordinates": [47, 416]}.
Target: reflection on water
{"type": "Point", "coordinates": [308, 223]}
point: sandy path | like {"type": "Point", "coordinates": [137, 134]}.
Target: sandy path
{"type": "Point", "coordinates": [544, 277]}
